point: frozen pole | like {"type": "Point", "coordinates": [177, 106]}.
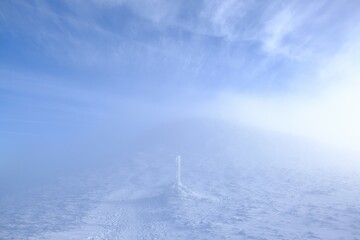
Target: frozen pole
{"type": "Point", "coordinates": [178, 172]}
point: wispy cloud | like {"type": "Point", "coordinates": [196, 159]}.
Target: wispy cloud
{"type": "Point", "coordinates": [113, 36]}
{"type": "Point", "coordinates": [277, 28]}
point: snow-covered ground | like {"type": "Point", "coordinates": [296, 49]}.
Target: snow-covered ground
{"type": "Point", "coordinates": [236, 184]}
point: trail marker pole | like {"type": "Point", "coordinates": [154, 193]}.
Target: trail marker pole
{"type": "Point", "coordinates": [178, 172]}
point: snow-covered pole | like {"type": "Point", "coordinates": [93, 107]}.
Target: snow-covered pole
{"type": "Point", "coordinates": [178, 172]}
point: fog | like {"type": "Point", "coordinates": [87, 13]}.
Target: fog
{"type": "Point", "coordinates": [98, 99]}
{"type": "Point", "coordinates": [322, 108]}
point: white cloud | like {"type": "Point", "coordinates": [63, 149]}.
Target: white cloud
{"type": "Point", "coordinates": [222, 17]}
{"type": "Point", "coordinates": [276, 29]}
{"type": "Point", "coordinates": [287, 30]}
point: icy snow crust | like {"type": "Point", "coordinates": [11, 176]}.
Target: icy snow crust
{"type": "Point", "coordinates": [236, 184]}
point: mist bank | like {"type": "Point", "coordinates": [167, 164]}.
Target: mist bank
{"type": "Point", "coordinates": [50, 129]}
{"type": "Point", "coordinates": [116, 143]}
{"type": "Point", "coordinates": [67, 136]}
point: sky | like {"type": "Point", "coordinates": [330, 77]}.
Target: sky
{"type": "Point", "coordinates": [77, 69]}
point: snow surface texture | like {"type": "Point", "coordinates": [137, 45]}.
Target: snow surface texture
{"type": "Point", "coordinates": [236, 184]}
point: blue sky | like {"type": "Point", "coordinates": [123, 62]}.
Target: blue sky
{"type": "Point", "coordinates": [203, 44]}
{"type": "Point", "coordinates": [66, 64]}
